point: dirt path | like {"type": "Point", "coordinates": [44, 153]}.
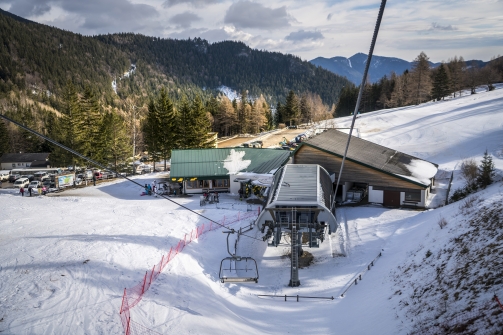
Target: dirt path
{"type": "Point", "coordinates": [269, 140]}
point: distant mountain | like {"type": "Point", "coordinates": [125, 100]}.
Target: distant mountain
{"type": "Point", "coordinates": [353, 67]}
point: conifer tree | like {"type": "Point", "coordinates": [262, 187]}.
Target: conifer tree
{"type": "Point", "coordinates": [420, 83]}
{"type": "Point", "coordinates": [292, 109]}
{"type": "Point", "coordinates": [4, 138]}
{"type": "Point", "coordinates": [150, 131]}
{"type": "Point", "coordinates": [91, 119]}
{"type": "Point", "coordinates": [184, 125]}
{"type": "Point", "coordinates": [71, 128]}
{"type": "Point", "coordinates": [115, 139]}
{"type": "Point", "coordinates": [200, 127]}
{"type": "Point", "coordinates": [486, 171]}
{"type": "Point", "coordinates": [167, 127]}
{"type": "Point", "coordinates": [440, 83]}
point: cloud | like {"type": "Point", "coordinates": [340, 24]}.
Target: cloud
{"type": "Point", "coordinates": [304, 35]}
{"type": "Point", "coordinates": [435, 26]}
{"type": "Point", "coordinates": [25, 8]}
{"type": "Point", "coordinates": [100, 15]}
{"type": "Point", "coordinates": [194, 3]}
{"type": "Point", "coordinates": [247, 14]}
{"type": "Point", "coordinates": [185, 20]}
{"type": "Point", "coordinates": [329, 16]}
{"type": "Point", "coordinates": [214, 35]}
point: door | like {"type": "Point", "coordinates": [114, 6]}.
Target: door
{"type": "Point", "coordinates": [391, 199]}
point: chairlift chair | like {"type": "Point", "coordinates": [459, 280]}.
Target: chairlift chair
{"type": "Point", "coordinates": [246, 265]}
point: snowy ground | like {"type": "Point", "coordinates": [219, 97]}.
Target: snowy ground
{"type": "Point", "coordinates": [65, 260]}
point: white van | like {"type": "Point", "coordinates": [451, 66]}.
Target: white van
{"type": "Point", "coordinates": [4, 175]}
{"type": "Point", "coordinates": [21, 182]}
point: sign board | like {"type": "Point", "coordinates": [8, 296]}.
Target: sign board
{"type": "Point", "coordinates": [65, 180]}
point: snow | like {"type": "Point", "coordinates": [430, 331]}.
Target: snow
{"type": "Point", "coordinates": [65, 259]}
{"type": "Point", "coordinates": [235, 163]}
{"type": "Point", "coordinates": [229, 92]}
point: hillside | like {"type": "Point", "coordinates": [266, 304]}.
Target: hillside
{"type": "Point", "coordinates": [66, 273]}
{"type": "Point", "coordinates": [41, 59]}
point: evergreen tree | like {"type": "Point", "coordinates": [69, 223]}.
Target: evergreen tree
{"type": "Point", "coordinates": [71, 128]}
{"type": "Point", "coordinates": [200, 127]}
{"type": "Point", "coordinates": [167, 127]}
{"type": "Point", "coordinates": [184, 125]}
{"type": "Point", "coordinates": [278, 115]}
{"type": "Point", "coordinates": [291, 110]}
{"type": "Point", "coordinates": [305, 109]}
{"type": "Point", "coordinates": [440, 83]}
{"type": "Point", "coordinates": [150, 131]}
{"type": "Point", "coordinates": [91, 120]}
{"type": "Point", "coordinates": [347, 100]}
{"type": "Point", "coordinates": [4, 138]}
{"type": "Point", "coordinates": [242, 111]}
{"type": "Point", "coordinates": [115, 139]}
{"type": "Point", "coordinates": [486, 171]}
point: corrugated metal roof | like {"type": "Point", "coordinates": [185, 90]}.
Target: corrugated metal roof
{"type": "Point", "coordinates": [367, 153]}
{"type": "Point", "coordinates": [299, 183]}
{"type": "Point", "coordinates": [214, 163]}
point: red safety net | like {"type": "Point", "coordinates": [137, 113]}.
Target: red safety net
{"type": "Point", "coordinates": [132, 296]}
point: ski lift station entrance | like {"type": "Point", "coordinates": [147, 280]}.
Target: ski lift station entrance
{"type": "Point", "coordinates": [298, 204]}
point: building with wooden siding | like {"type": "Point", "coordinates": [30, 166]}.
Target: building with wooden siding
{"type": "Point", "coordinates": [223, 169]}
{"type": "Point", "coordinates": [387, 176]}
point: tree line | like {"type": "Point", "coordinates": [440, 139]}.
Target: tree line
{"type": "Point", "coordinates": [422, 83]}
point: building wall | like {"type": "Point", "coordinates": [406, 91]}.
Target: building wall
{"type": "Point", "coordinates": [354, 172]}
{"type": "Point", "coordinates": [376, 196]}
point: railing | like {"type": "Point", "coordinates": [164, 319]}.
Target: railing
{"type": "Point", "coordinates": [294, 296]}
{"type": "Point", "coordinates": [359, 276]}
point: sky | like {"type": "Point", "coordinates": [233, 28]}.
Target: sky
{"type": "Point", "coordinates": [442, 29]}
{"type": "Point", "coordinates": [66, 258]}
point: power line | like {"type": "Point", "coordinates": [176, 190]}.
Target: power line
{"type": "Point", "coordinates": [113, 171]}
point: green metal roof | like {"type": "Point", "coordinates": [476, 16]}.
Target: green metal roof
{"type": "Point", "coordinates": [215, 163]}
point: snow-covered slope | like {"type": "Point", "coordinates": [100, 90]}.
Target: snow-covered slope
{"type": "Point", "coordinates": [65, 260]}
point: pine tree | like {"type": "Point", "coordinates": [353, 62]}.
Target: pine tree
{"type": "Point", "coordinates": [200, 127]}
{"type": "Point", "coordinates": [184, 125]}
{"type": "Point", "coordinates": [167, 131]}
{"type": "Point", "coordinates": [291, 110]}
{"type": "Point", "coordinates": [486, 171]}
{"type": "Point", "coordinates": [115, 138]}
{"type": "Point", "coordinates": [71, 128]}
{"type": "Point", "coordinates": [91, 119]}
{"type": "Point", "coordinates": [440, 83]}
{"type": "Point", "coordinates": [4, 138]}
{"type": "Point", "coordinates": [150, 131]}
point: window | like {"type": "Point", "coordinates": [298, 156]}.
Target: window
{"type": "Point", "coordinates": [13, 165]}
{"type": "Point", "coordinates": [221, 183]}
{"type": "Point", "coordinates": [191, 184]}
{"type": "Point", "coordinates": [413, 196]}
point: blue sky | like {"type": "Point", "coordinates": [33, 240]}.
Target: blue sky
{"type": "Point", "coordinates": [442, 29]}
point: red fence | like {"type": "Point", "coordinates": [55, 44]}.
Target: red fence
{"type": "Point", "coordinates": [132, 296]}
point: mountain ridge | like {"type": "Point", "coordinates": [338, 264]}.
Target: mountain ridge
{"type": "Point", "coordinates": [353, 67]}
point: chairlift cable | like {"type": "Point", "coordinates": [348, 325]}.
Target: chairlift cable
{"type": "Point", "coordinates": [369, 58]}
{"type": "Point", "coordinates": [107, 169]}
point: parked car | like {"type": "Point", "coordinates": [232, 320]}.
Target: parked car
{"type": "Point", "coordinates": [98, 175]}
{"type": "Point", "coordinates": [21, 182]}
{"type": "Point", "coordinates": [4, 176]}
{"type": "Point", "coordinates": [47, 183]}
{"type": "Point", "coordinates": [14, 177]}
{"type": "Point", "coordinates": [35, 184]}
{"type": "Point", "coordinates": [29, 176]}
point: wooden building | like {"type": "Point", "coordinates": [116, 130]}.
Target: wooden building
{"type": "Point", "coordinates": [223, 169]}
{"type": "Point", "coordinates": [385, 175]}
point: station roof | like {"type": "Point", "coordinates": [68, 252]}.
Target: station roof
{"type": "Point", "coordinates": [219, 163]}
{"type": "Point", "coordinates": [378, 157]}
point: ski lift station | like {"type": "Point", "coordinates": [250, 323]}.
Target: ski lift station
{"type": "Point", "coordinates": [298, 205]}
